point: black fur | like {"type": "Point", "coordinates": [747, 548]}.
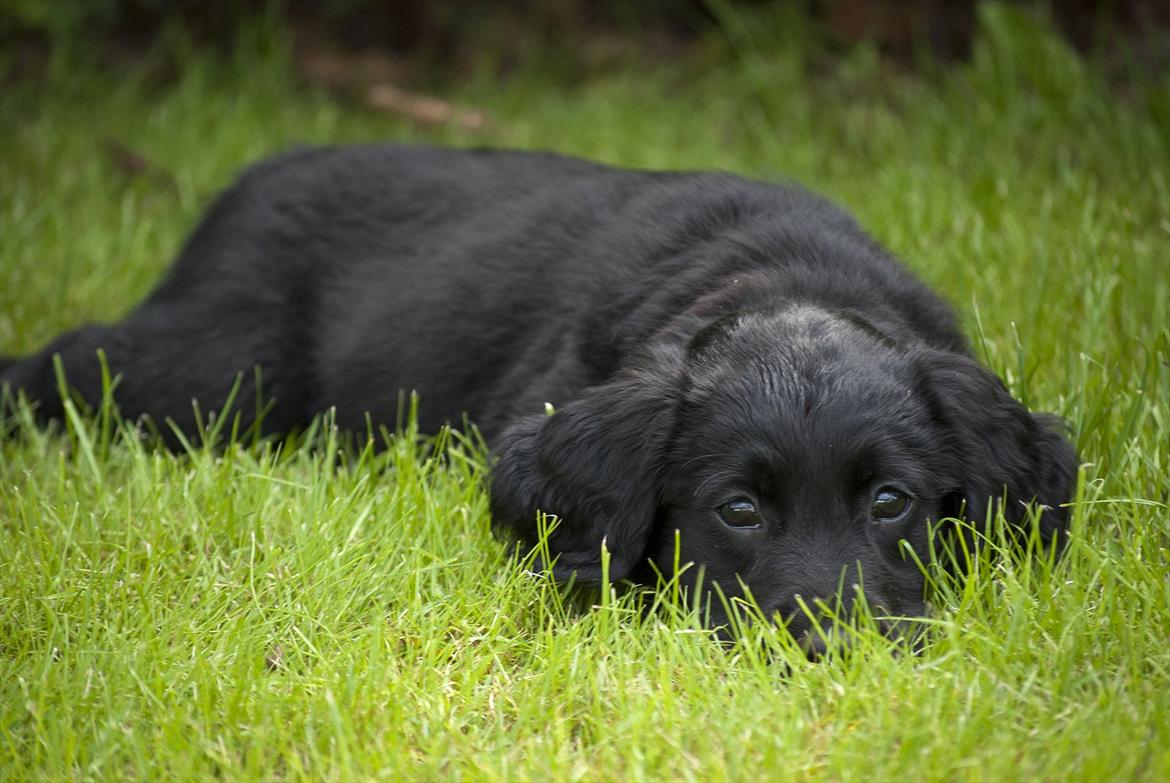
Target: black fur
{"type": "Point", "coordinates": [702, 337]}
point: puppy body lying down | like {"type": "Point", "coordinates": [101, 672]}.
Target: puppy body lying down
{"type": "Point", "coordinates": [734, 360]}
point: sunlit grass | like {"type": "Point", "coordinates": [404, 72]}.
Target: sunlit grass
{"type": "Point", "coordinates": [314, 610]}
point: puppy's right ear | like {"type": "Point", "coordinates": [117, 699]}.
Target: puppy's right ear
{"type": "Point", "coordinates": [597, 464]}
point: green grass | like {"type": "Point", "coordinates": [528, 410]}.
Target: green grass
{"type": "Point", "coordinates": [260, 613]}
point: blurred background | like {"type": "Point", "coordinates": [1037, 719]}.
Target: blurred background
{"type": "Point", "coordinates": [953, 129]}
{"type": "Point", "coordinates": [352, 45]}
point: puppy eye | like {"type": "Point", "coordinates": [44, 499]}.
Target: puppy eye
{"type": "Point", "coordinates": [890, 504]}
{"type": "Point", "coordinates": [739, 513]}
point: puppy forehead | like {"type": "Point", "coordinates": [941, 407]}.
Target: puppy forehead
{"type": "Point", "coordinates": [802, 385]}
{"type": "Point", "coordinates": [799, 355]}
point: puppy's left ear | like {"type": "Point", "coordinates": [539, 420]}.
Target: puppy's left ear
{"type": "Point", "coordinates": [597, 464]}
{"type": "Point", "coordinates": [999, 447]}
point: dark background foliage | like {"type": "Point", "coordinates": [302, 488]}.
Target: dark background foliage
{"type": "Point", "coordinates": [440, 38]}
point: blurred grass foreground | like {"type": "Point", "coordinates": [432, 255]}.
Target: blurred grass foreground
{"type": "Point", "coordinates": [302, 611]}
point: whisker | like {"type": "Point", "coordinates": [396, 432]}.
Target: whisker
{"type": "Point", "coordinates": [723, 455]}
{"type": "Point", "coordinates": [713, 477]}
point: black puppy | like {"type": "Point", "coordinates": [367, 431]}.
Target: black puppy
{"type": "Point", "coordinates": [729, 359]}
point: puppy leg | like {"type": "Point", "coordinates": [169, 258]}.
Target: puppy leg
{"type": "Point", "coordinates": [167, 355]}
{"type": "Point", "coordinates": [35, 376]}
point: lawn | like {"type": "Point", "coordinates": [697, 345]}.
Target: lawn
{"type": "Point", "coordinates": [307, 611]}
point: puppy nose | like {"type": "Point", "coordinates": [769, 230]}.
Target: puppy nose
{"type": "Point", "coordinates": [804, 629]}
{"type": "Point", "coordinates": [810, 638]}
{"type": "Point", "coordinates": [813, 644]}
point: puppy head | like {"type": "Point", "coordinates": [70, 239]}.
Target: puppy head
{"type": "Point", "coordinates": [798, 453]}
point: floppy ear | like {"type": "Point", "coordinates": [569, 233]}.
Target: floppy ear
{"type": "Point", "coordinates": [999, 448]}
{"type": "Point", "coordinates": [597, 464]}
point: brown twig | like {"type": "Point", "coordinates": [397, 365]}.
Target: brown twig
{"type": "Point", "coordinates": [424, 109]}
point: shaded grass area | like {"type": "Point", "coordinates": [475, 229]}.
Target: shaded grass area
{"type": "Point", "coordinates": [315, 612]}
